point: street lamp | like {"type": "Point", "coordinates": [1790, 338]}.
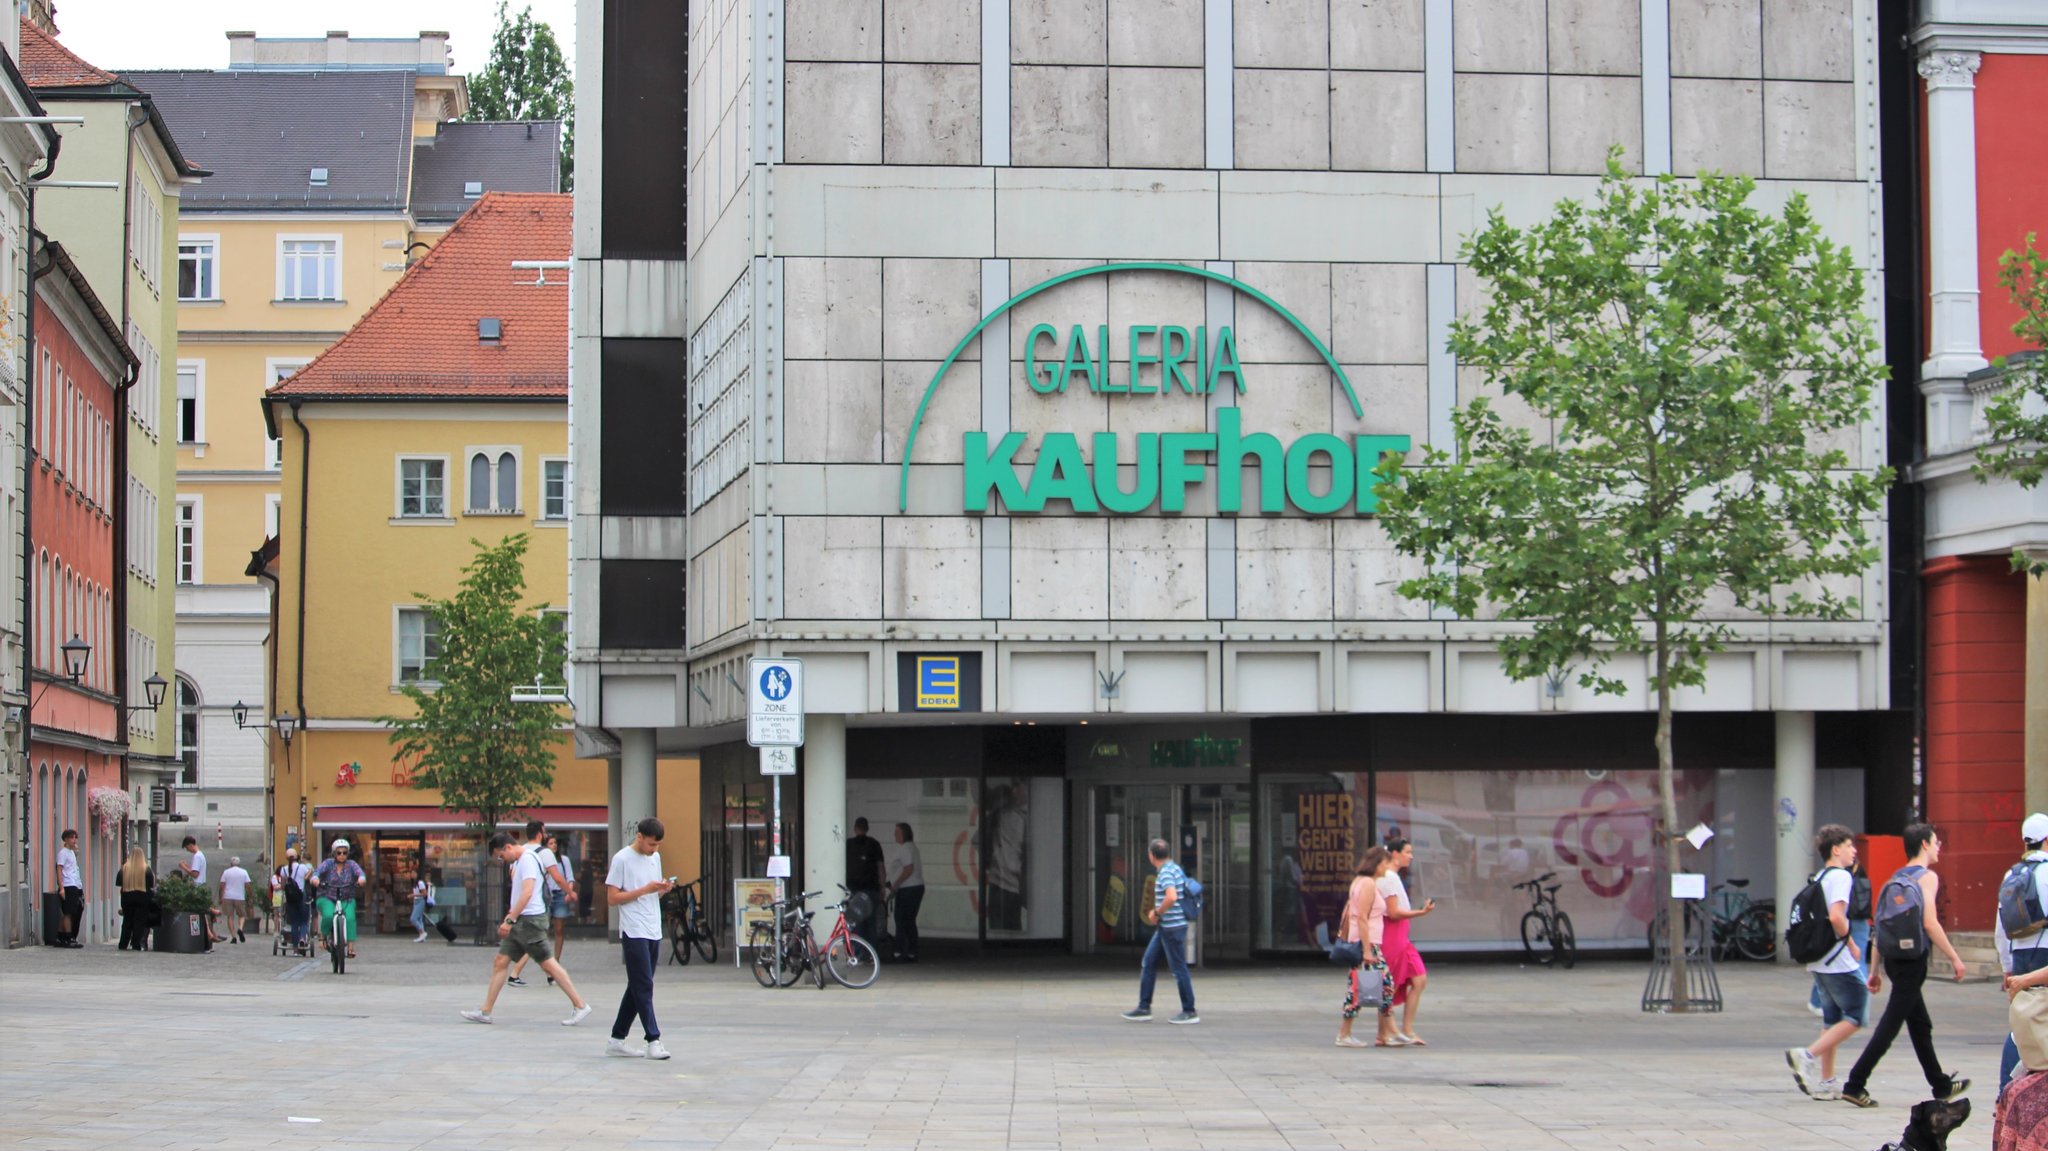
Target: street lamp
{"type": "Point", "coordinates": [241, 713]}
{"type": "Point", "coordinates": [76, 653]}
{"type": "Point", "coordinates": [286, 724]}
{"type": "Point", "coordinates": [153, 690]}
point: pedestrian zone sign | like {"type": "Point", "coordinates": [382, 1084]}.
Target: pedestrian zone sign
{"type": "Point", "coordinates": [775, 702]}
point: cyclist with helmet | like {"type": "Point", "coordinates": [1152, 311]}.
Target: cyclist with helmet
{"type": "Point", "coordinates": [335, 886]}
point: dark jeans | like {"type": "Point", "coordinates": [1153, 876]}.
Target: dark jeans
{"type": "Point", "coordinates": [295, 923]}
{"type": "Point", "coordinates": [641, 955]}
{"type": "Point", "coordinates": [134, 920]}
{"type": "Point", "coordinates": [74, 910]}
{"type": "Point", "coordinates": [1172, 942]}
{"type": "Point", "coordinates": [908, 901]}
{"type": "Point", "coordinates": [2031, 959]}
{"type": "Point", "coordinates": [1907, 1007]}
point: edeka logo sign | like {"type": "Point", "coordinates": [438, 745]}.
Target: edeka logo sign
{"type": "Point", "coordinates": [1318, 474]}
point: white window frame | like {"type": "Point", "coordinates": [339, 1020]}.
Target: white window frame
{"type": "Point", "coordinates": [398, 513]}
{"type": "Point", "coordinates": [211, 263]}
{"type": "Point", "coordinates": [495, 453]}
{"type": "Point", "coordinates": [399, 613]}
{"type": "Point", "coordinates": [197, 525]}
{"type": "Point", "coordinates": [273, 514]}
{"type": "Point", "coordinates": [568, 489]}
{"type": "Point", "coordinates": [198, 439]}
{"type": "Point", "coordinates": [284, 238]}
{"type": "Point", "coordinates": [275, 369]}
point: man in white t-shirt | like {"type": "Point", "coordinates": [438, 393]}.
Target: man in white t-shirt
{"type": "Point", "coordinates": [635, 886]}
{"type": "Point", "coordinates": [70, 891]}
{"type": "Point", "coordinates": [234, 899]}
{"type": "Point", "coordinates": [524, 932]}
{"type": "Point", "coordinates": [194, 863]}
{"type": "Point", "coordinates": [555, 886]}
{"type": "Point", "coordinates": [1838, 975]}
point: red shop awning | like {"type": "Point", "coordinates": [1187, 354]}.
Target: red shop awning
{"type": "Point", "coordinates": [395, 817]}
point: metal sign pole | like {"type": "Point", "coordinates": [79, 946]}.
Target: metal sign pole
{"type": "Point", "coordinates": [781, 893]}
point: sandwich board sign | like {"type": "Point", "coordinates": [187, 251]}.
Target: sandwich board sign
{"type": "Point", "coordinates": [775, 702]}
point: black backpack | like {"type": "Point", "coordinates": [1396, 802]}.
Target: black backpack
{"type": "Point", "coordinates": [1810, 936]}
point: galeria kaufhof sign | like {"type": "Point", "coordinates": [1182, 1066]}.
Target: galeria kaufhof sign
{"type": "Point", "coordinates": [1317, 474]}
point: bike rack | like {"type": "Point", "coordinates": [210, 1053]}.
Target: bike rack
{"type": "Point", "coordinates": [1702, 986]}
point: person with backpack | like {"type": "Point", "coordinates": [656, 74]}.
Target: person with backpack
{"type": "Point", "coordinates": [2019, 930]}
{"type": "Point", "coordinates": [1170, 939]}
{"type": "Point", "coordinates": [1859, 930]}
{"type": "Point", "coordinates": [1818, 936]}
{"type": "Point", "coordinates": [1905, 924]}
{"type": "Point", "coordinates": [288, 891]}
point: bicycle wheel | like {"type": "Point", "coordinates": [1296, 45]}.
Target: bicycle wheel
{"type": "Point", "coordinates": [763, 965]}
{"type": "Point", "coordinates": [1535, 931]}
{"type": "Point", "coordinates": [1564, 943]}
{"type": "Point", "coordinates": [795, 961]}
{"type": "Point", "coordinates": [679, 940]}
{"type": "Point", "coordinates": [337, 943]}
{"type": "Point", "coordinates": [700, 933]}
{"type": "Point", "coordinates": [1756, 933]}
{"type": "Point", "coordinates": [853, 961]}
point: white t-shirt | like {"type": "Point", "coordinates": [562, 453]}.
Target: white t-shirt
{"type": "Point", "coordinates": [638, 918]}
{"type": "Point", "coordinates": [1838, 885]}
{"type": "Point", "coordinates": [907, 855]}
{"type": "Point", "coordinates": [198, 865]}
{"type": "Point", "coordinates": [526, 867]}
{"type": "Point", "coordinates": [546, 859]}
{"type": "Point", "coordinates": [234, 883]}
{"type": "Point", "coordinates": [1392, 887]}
{"type": "Point", "coordinates": [67, 867]}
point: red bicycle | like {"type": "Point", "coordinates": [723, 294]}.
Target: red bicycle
{"type": "Point", "coordinates": [850, 960]}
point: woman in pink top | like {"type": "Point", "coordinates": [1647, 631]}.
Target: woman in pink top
{"type": "Point", "coordinates": [1404, 962]}
{"type": "Point", "coordinates": [1365, 917]}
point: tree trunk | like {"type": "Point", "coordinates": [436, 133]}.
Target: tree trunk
{"type": "Point", "coordinates": [1667, 794]}
{"type": "Point", "coordinates": [483, 936]}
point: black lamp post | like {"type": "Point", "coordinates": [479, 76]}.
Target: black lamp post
{"type": "Point", "coordinates": [287, 724]}
{"type": "Point", "coordinates": [241, 713]}
{"type": "Point", "coordinates": [76, 653]}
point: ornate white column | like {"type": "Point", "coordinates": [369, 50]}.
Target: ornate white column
{"type": "Point", "coordinates": [1955, 346]}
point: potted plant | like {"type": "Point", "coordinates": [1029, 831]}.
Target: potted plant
{"type": "Point", "coordinates": [184, 905]}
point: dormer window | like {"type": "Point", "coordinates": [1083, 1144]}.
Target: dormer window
{"type": "Point", "coordinates": [489, 330]}
{"type": "Point", "coordinates": [317, 177]}
{"type": "Point", "coordinates": [473, 190]}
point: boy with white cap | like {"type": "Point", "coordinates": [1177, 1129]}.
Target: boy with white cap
{"type": "Point", "coordinates": [2030, 951]}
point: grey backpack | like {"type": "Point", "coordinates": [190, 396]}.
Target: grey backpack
{"type": "Point", "coordinates": [1901, 921]}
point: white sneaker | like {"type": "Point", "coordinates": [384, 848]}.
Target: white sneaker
{"type": "Point", "coordinates": [577, 1016]}
{"type": "Point", "coordinates": [618, 1047]}
{"type": "Point", "coordinates": [1805, 1069]}
{"type": "Point", "coordinates": [420, 938]}
{"type": "Point", "coordinates": [655, 1050]}
{"type": "Point", "coordinates": [1829, 1089]}
{"type": "Point", "coordinates": [1816, 1012]}
{"type": "Point", "coordinates": [477, 1016]}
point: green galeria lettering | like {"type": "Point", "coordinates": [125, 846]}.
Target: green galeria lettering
{"type": "Point", "coordinates": [1224, 362]}
{"type": "Point", "coordinates": [1300, 458]}
{"type": "Point", "coordinates": [1231, 450]}
{"type": "Point", "coordinates": [1139, 359]}
{"type": "Point", "coordinates": [1061, 474]}
{"type": "Point", "coordinates": [1370, 450]}
{"type": "Point", "coordinates": [1054, 378]}
{"type": "Point", "coordinates": [1176, 472]}
{"type": "Point", "coordinates": [1109, 474]}
{"type": "Point", "coordinates": [985, 471]}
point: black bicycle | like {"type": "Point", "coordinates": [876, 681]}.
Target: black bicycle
{"type": "Point", "coordinates": [689, 924]}
{"type": "Point", "coordinates": [782, 966]}
{"type": "Point", "coordinates": [1730, 922]}
{"type": "Point", "coordinates": [1547, 935]}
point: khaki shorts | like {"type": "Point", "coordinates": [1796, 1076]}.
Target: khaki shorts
{"type": "Point", "coordinates": [529, 937]}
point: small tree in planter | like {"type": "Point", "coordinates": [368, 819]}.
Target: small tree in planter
{"type": "Point", "coordinates": [177, 897]}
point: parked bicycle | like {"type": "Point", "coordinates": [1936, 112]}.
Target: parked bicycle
{"type": "Point", "coordinates": [848, 959]}
{"type": "Point", "coordinates": [689, 924]}
{"type": "Point", "coordinates": [1547, 935]}
{"type": "Point", "coordinates": [1730, 922]}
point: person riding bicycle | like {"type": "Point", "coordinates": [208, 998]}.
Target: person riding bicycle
{"type": "Point", "coordinates": [335, 886]}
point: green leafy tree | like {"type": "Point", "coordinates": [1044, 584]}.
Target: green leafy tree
{"type": "Point", "coordinates": [1673, 365]}
{"type": "Point", "coordinates": [2017, 417]}
{"type": "Point", "coordinates": [482, 752]}
{"type": "Point", "coordinates": [527, 79]}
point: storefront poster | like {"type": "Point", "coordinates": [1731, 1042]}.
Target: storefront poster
{"type": "Point", "coordinates": [1326, 852]}
{"type": "Point", "coordinates": [750, 900]}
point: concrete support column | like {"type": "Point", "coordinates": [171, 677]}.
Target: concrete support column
{"type": "Point", "coordinates": [1792, 809]}
{"type": "Point", "coordinates": [824, 776]}
{"type": "Point", "coordinates": [1955, 345]}
{"type": "Point", "coordinates": [2037, 694]}
{"type": "Point", "coordinates": [616, 822]}
{"type": "Point", "coordinates": [636, 780]}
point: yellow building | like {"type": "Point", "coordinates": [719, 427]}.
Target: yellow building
{"type": "Point", "coordinates": [116, 210]}
{"type": "Point", "coordinates": [439, 420]}
{"type": "Point", "coordinates": [336, 162]}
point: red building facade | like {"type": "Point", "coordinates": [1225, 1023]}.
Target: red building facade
{"type": "Point", "coordinates": [75, 772]}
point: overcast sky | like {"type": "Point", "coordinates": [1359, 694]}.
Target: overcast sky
{"type": "Point", "coordinates": [119, 34]}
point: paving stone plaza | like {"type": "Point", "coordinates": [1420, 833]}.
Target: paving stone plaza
{"type": "Point", "coordinates": [105, 1049]}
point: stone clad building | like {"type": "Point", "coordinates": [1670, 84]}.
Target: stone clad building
{"type": "Point", "coordinates": [1011, 364]}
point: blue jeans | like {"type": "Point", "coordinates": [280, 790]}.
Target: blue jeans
{"type": "Point", "coordinates": [640, 955]}
{"type": "Point", "coordinates": [1171, 942]}
{"type": "Point", "coordinates": [2032, 959]}
{"type": "Point", "coordinates": [1859, 930]}
{"type": "Point", "coordinates": [419, 915]}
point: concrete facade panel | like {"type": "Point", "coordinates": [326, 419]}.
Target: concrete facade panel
{"type": "Point", "coordinates": [1717, 126]}
{"type": "Point", "coordinates": [1059, 116]}
{"type": "Point", "coordinates": [1502, 124]}
{"type": "Point", "coordinates": [1376, 121]}
{"type": "Point", "coordinates": [1157, 569]}
{"type": "Point", "coordinates": [931, 114]}
{"type": "Point", "coordinates": [928, 305]}
{"type": "Point", "coordinates": [1283, 569]}
{"type": "Point", "coordinates": [932, 31]}
{"type": "Point", "coordinates": [1280, 33]}
{"type": "Point", "coordinates": [833, 114]}
{"type": "Point", "coordinates": [833, 308]}
{"type": "Point", "coordinates": [832, 567]}
{"type": "Point", "coordinates": [1498, 36]}
{"type": "Point", "coordinates": [1809, 39]}
{"type": "Point", "coordinates": [1376, 35]}
{"type": "Point", "coordinates": [1591, 114]}
{"type": "Point", "coordinates": [1058, 568]}
{"type": "Point", "coordinates": [1156, 33]}
{"type": "Point", "coordinates": [1155, 118]}
{"type": "Point", "coordinates": [1282, 119]}
{"type": "Point", "coordinates": [931, 567]}
{"type": "Point", "coordinates": [832, 412]}
{"type": "Point", "coordinates": [1057, 31]}
{"type": "Point", "coordinates": [1379, 313]}
{"type": "Point", "coordinates": [849, 30]}
{"type": "Point", "coordinates": [1720, 39]}
{"type": "Point", "coordinates": [1803, 136]}
{"type": "Point", "coordinates": [1596, 37]}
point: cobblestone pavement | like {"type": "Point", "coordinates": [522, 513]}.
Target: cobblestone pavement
{"type": "Point", "coordinates": [106, 1049]}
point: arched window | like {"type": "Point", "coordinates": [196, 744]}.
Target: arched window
{"type": "Point", "coordinates": [188, 730]}
{"type": "Point", "coordinates": [479, 483]}
{"type": "Point", "coordinates": [508, 482]}
{"type": "Point", "coordinates": [493, 481]}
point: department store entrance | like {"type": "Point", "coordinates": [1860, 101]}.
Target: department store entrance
{"type": "Point", "coordinates": [1210, 825]}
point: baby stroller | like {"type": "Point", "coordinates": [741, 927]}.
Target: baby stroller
{"type": "Point", "coordinates": [294, 921]}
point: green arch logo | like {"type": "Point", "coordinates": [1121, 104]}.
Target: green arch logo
{"type": "Point", "coordinates": [1293, 321]}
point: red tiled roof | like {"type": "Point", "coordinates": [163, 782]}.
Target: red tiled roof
{"type": "Point", "coordinates": [48, 64]}
{"type": "Point", "coordinates": [421, 340]}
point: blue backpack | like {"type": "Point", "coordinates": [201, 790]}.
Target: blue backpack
{"type": "Point", "coordinates": [1191, 898]}
{"type": "Point", "coordinates": [2019, 902]}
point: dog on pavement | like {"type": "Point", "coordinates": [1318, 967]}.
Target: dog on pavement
{"type": "Point", "coordinates": [1929, 1126]}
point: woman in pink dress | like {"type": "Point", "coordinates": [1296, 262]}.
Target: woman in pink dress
{"type": "Point", "coordinates": [1404, 963]}
{"type": "Point", "coordinates": [1365, 917]}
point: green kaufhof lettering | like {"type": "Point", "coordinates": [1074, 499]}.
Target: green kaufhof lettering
{"type": "Point", "coordinates": [1164, 358]}
{"type": "Point", "coordinates": [1318, 474]}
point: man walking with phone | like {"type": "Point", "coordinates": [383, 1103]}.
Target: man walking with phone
{"type": "Point", "coordinates": [1170, 939]}
{"type": "Point", "coordinates": [635, 886]}
{"type": "Point", "coordinates": [1904, 928]}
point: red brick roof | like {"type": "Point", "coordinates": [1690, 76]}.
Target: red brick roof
{"type": "Point", "coordinates": [48, 64]}
{"type": "Point", "coordinates": [421, 340]}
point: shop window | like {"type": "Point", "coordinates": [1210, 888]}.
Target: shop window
{"type": "Point", "coordinates": [993, 850]}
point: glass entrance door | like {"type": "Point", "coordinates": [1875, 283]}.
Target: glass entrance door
{"type": "Point", "coordinates": [1216, 848]}
{"type": "Point", "coordinates": [1126, 819]}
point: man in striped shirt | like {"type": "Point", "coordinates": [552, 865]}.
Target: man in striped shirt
{"type": "Point", "coordinates": [1170, 939]}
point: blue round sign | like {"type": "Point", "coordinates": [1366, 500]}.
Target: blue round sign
{"type": "Point", "coordinates": [775, 684]}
